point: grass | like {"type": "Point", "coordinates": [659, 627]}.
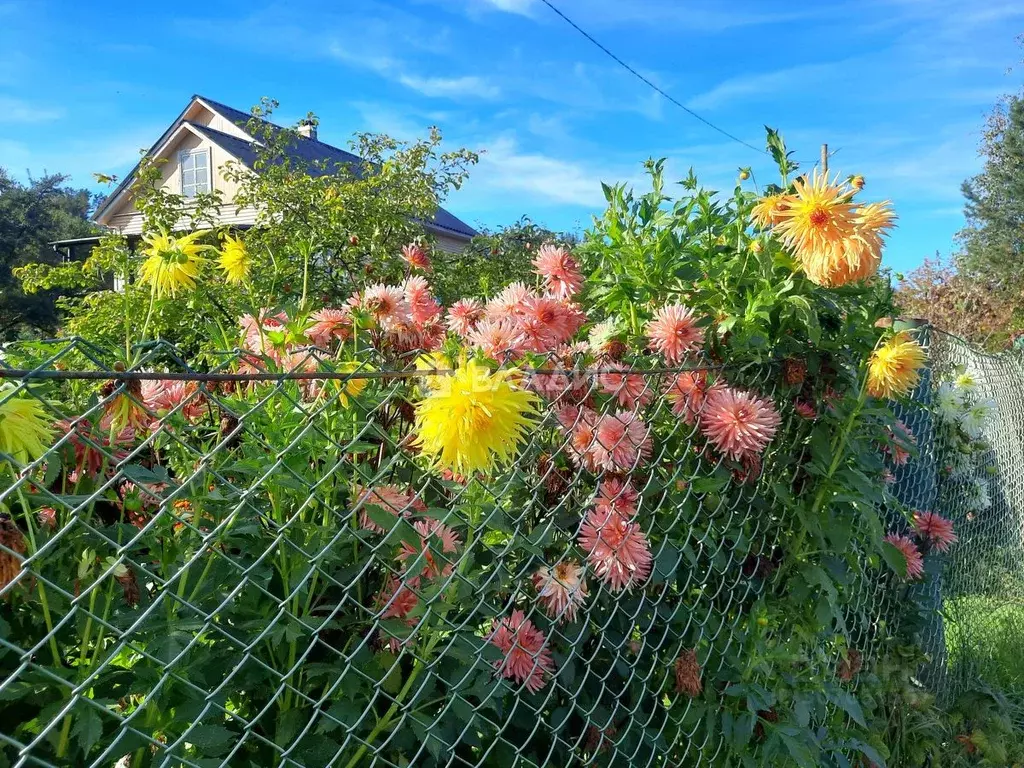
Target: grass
{"type": "Point", "coordinates": [985, 641]}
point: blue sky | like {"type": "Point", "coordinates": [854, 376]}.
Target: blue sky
{"type": "Point", "coordinates": [899, 87]}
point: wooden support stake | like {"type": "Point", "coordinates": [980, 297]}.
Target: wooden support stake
{"type": "Point", "coordinates": [824, 159]}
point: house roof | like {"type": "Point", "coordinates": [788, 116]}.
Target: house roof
{"type": "Point", "coordinates": [319, 156]}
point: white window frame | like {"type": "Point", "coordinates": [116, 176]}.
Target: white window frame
{"type": "Point", "coordinates": [184, 155]}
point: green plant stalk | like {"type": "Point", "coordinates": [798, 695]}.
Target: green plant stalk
{"type": "Point", "coordinates": [385, 721]}
{"type": "Point", "coordinates": [838, 448]}
{"type": "Point", "coordinates": [65, 730]}
{"type": "Point", "coordinates": [149, 316]}
{"type": "Point", "coordinates": [418, 667]}
{"type": "Point", "coordinates": [307, 249]}
{"type": "Point", "coordinates": [125, 304]}
{"type": "Point", "coordinates": [41, 588]}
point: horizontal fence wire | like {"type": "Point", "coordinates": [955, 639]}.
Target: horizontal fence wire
{"type": "Point", "coordinates": [229, 567]}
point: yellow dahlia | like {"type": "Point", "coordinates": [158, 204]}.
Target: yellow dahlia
{"type": "Point", "coordinates": [474, 419]}
{"type": "Point", "coordinates": [874, 221]}
{"type": "Point", "coordinates": [172, 263]}
{"type": "Point", "coordinates": [893, 367]}
{"type": "Point", "coordinates": [818, 217]}
{"type": "Point", "coordinates": [25, 430]}
{"type": "Point", "coordinates": [352, 387]}
{"type": "Point", "coordinates": [769, 208]}
{"type": "Point", "coordinates": [431, 363]}
{"type": "Point", "coordinates": [234, 259]}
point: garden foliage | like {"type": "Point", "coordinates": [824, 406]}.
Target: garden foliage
{"type": "Point", "coordinates": [632, 510]}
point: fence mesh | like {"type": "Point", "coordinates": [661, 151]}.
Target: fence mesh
{"type": "Point", "coordinates": [230, 568]}
{"type": "Point", "coordinates": [979, 455]}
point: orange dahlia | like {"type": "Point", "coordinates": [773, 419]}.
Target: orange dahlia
{"type": "Point", "coordinates": [768, 210]}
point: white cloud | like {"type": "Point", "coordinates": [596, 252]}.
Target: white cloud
{"type": "Point", "coordinates": [19, 111]}
{"type": "Point", "coordinates": [451, 87]}
{"type": "Point", "coordinates": [765, 84]}
{"type": "Point", "coordinates": [521, 7]}
{"type": "Point", "coordinates": [356, 56]}
{"type": "Point", "coordinates": [504, 168]}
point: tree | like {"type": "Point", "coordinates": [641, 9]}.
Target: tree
{"type": "Point", "coordinates": [993, 240]}
{"type": "Point", "coordinates": [337, 220]}
{"type": "Point", "coordinates": [493, 259]}
{"type": "Point", "coordinates": [957, 302]}
{"type": "Point", "coordinates": [31, 217]}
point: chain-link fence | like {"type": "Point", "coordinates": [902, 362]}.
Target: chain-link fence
{"type": "Point", "coordinates": [231, 567]}
{"type": "Point", "coordinates": [979, 457]}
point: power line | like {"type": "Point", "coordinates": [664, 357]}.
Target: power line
{"type": "Point", "coordinates": [643, 79]}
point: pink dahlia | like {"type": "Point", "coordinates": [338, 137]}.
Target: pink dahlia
{"type": "Point", "coordinates": [616, 548]}
{"type": "Point", "coordinates": [443, 539]}
{"type": "Point", "coordinates": [464, 315]}
{"type": "Point", "coordinates": [423, 307]}
{"type": "Point", "coordinates": [559, 269]}
{"type": "Point", "coordinates": [620, 442]}
{"type": "Point", "coordinates": [509, 303]}
{"type": "Point", "coordinates": [398, 598]}
{"type": "Point", "coordinates": [387, 304]}
{"type": "Point", "coordinates": [673, 332]}
{"type": "Point", "coordinates": [545, 323]}
{"type": "Point", "coordinates": [162, 396]}
{"type": "Point", "coordinates": [687, 392]}
{"type": "Point", "coordinates": [549, 382]}
{"type": "Point", "coordinates": [390, 498]}
{"type": "Point", "coordinates": [631, 389]}
{"type": "Point", "coordinates": [88, 446]}
{"type": "Point", "coordinates": [411, 337]}
{"type": "Point", "coordinates": [500, 341]}
{"type": "Point", "coordinates": [568, 416]}
{"type": "Point", "coordinates": [737, 423]}
{"type": "Point", "coordinates": [47, 517]}
{"type": "Point", "coordinates": [562, 589]}
{"type": "Point", "coordinates": [615, 495]}
{"type": "Point", "coordinates": [910, 552]}
{"type": "Point", "coordinates": [524, 647]}
{"type": "Point", "coordinates": [416, 257]}
{"type": "Point", "coordinates": [804, 410]}
{"type": "Point", "coordinates": [256, 331]}
{"type": "Point", "coordinates": [581, 423]}
{"type": "Point", "coordinates": [329, 324]}
{"type": "Point", "coordinates": [936, 529]}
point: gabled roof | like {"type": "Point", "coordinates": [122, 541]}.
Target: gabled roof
{"type": "Point", "coordinates": [317, 155]}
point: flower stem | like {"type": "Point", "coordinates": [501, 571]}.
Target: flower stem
{"type": "Point", "coordinates": [149, 316]}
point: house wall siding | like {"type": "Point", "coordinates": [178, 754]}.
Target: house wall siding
{"type": "Point", "coordinates": [127, 220]}
{"type": "Point", "coordinates": [448, 244]}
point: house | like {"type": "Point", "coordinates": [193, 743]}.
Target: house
{"type": "Point", "coordinates": [199, 143]}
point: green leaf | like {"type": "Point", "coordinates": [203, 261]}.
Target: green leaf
{"type": "Point", "coordinates": [846, 701]}
{"type": "Point", "coordinates": [666, 563]}
{"type": "Point", "coordinates": [894, 559]}
{"type": "Point", "coordinates": [799, 751]}
{"type": "Point", "coordinates": [212, 740]}
{"type": "Point", "coordinates": [869, 752]}
{"type": "Point", "coordinates": [808, 316]}
{"type": "Point", "coordinates": [712, 484]}
{"type": "Point", "coordinates": [140, 474]}
{"type": "Point", "coordinates": [288, 724]}
{"type": "Point", "coordinates": [316, 750]}
{"type": "Point", "coordinates": [88, 726]}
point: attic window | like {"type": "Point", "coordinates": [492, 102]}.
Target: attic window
{"type": "Point", "coordinates": [195, 172]}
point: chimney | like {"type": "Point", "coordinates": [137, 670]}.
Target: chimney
{"type": "Point", "coordinates": [307, 128]}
